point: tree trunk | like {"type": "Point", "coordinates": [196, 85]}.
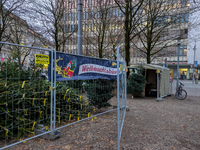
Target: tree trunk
{"type": "Point", "coordinates": [127, 37]}
{"type": "Point", "coordinates": [148, 57]}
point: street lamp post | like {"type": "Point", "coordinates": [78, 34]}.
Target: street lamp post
{"type": "Point", "coordinates": [193, 80]}
{"type": "Point", "coordinates": [179, 43]}
{"type": "Point", "coordinates": [79, 27]}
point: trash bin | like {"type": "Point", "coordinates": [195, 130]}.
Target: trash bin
{"type": "Point", "coordinates": [196, 81]}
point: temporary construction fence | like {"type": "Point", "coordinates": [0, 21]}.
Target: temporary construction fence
{"type": "Point", "coordinates": [42, 91]}
{"type": "Point", "coordinates": [121, 94]}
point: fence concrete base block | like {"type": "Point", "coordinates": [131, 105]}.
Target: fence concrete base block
{"type": "Point", "coordinates": [159, 100]}
{"type": "Point", "coordinates": [49, 136]}
{"type": "Point", "coordinates": [127, 108]}
{"type": "Point", "coordinates": [115, 106]}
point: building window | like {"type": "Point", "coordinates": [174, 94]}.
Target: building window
{"type": "Point", "coordinates": [66, 17]}
{"type": "Point", "coordinates": [69, 17]}
{"type": "Point", "coordinates": [184, 3]}
{"type": "Point", "coordinates": [186, 16]}
{"type": "Point", "coordinates": [183, 50]}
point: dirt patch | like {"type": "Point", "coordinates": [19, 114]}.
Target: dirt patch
{"type": "Point", "coordinates": [149, 125]}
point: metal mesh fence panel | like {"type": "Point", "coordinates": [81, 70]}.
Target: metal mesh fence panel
{"type": "Point", "coordinates": [121, 93]}
{"type": "Point", "coordinates": [25, 93]}
{"type": "Point", "coordinates": [43, 90]}
{"type": "Point", "coordinates": [86, 89]}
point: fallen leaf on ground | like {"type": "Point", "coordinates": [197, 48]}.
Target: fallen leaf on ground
{"type": "Point", "coordinates": [112, 143]}
{"type": "Point", "coordinates": [67, 147]}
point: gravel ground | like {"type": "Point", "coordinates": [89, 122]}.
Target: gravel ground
{"type": "Point", "coordinates": [149, 125]}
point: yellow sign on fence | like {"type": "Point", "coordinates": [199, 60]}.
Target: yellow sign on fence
{"type": "Point", "coordinates": [41, 59]}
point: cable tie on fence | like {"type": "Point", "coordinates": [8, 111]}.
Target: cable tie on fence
{"type": "Point", "coordinates": [81, 106]}
{"type": "Point", "coordinates": [7, 109]}
{"type": "Point", "coordinates": [23, 84]}
{"type": "Point", "coordinates": [24, 142]}
{"type": "Point", "coordinates": [49, 88]}
{"type": "Point", "coordinates": [47, 128]}
{"type": "Point", "coordinates": [59, 111]}
{"type": "Point", "coordinates": [46, 93]}
{"type": "Point", "coordinates": [68, 99]}
{"type": "Point", "coordinates": [34, 125]}
{"type": "Point", "coordinates": [40, 114]}
{"type": "Point", "coordinates": [33, 133]}
{"type": "Point", "coordinates": [78, 118]}
{"type": "Point", "coordinates": [69, 107]}
{"type": "Point", "coordinates": [70, 117]}
{"type": "Point", "coordinates": [32, 89]}
{"type": "Point", "coordinates": [67, 90]}
{"type": "Point", "coordinates": [92, 117]}
{"type": "Point", "coordinates": [59, 119]}
{"type": "Point", "coordinates": [93, 109]}
{"type": "Point", "coordinates": [88, 115]}
{"type": "Point", "coordinates": [45, 101]}
{"type": "Point", "coordinates": [79, 113]}
{"type": "Point", "coordinates": [6, 133]}
{"type": "Point", "coordinates": [80, 98]}
{"type": "Point", "coordinates": [5, 84]}
{"type": "Point", "coordinates": [95, 117]}
{"type": "Point", "coordinates": [23, 95]}
{"type": "Point", "coordinates": [25, 111]}
{"type": "Point", "coordinates": [33, 101]}
{"type": "Point", "coordinates": [64, 96]}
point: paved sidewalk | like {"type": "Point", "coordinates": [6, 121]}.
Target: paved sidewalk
{"type": "Point", "coordinates": [192, 89]}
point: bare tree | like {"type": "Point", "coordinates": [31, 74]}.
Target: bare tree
{"type": "Point", "coordinates": [163, 22]}
{"type": "Point", "coordinates": [51, 17]}
{"type": "Point", "coordinates": [7, 7]}
{"type": "Point", "coordinates": [131, 16]}
{"type": "Point", "coordinates": [20, 33]}
{"type": "Point", "coordinates": [100, 26]}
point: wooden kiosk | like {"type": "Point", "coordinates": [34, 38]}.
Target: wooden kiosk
{"type": "Point", "coordinates": [157, 80]}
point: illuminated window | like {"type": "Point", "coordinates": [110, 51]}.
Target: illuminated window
{"type": "Point", "coordinates": [185, 52]}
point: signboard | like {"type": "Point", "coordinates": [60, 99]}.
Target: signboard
{"type": "Point", "coordinates": [158, 71]}
{"type": "Point", "coordinates": [73, 67]}
{"type": "Point", "coordinates": [41, 59]}
{"type": "Point", "coordinates": [196, 64]}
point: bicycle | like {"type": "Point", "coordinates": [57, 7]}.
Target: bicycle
{"type": "Point", "coordinates": [181, 94]}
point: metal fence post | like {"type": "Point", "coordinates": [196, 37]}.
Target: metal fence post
{"type": "Point", "coordinates": [54, 119]}
{"type": "Point", "coordinates": [118, 122]}
{"type": "Point", "coordinates": [171, 79]}
{"type": "Point", "coordinates": [157, 84]}
{"type": "Point", "coordinates": [51, 90]}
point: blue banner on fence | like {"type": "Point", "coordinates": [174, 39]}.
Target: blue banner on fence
{"type": "Point", "coordinates": [73, 67]}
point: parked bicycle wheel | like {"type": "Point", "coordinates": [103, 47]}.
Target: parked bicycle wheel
{"type": "Point", "coordinates": [181, 95]}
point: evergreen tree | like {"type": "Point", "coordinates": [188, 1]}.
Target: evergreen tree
{"type": "Point", "coordinates": [136, 82]}
{"type": "Point", "coordinates": [100, 92]}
